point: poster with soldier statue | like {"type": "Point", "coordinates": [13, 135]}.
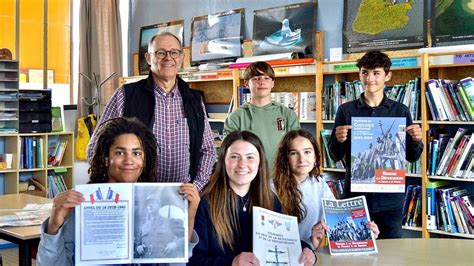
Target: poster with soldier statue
{"type": "Point", "coordinates": [378, 154]}
{"type": "Point", "coordinates": [348, 232]}
{"type": "Point", "coordinates": [131, 223]}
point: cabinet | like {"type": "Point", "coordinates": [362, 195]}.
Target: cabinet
{"type": "Point", "coordinates": [42, 144]}
{"type": "Point", "coordinates": [34, 111]}
{"type": "Point", "coordinates": [9, 84]}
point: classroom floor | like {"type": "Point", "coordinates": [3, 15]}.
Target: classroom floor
{"type": "Point", "coordinates": [10, 257]}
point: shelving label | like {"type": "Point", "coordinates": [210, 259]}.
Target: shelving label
{"type": "Point", "coordinates": [404, 62]}
{"type": "Point", "coordinates": [345, 67]}
{"type": "Point", "coordinates": [463, 58]}
{"type": "Point", "coordinates": [281, 70]}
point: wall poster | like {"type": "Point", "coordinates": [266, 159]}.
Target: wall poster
{"type": "Point", "coordinates": [452, 22]}
{"type": "Point", "coordinates": [383, 24]}
{"type": "Point", "coordinates": [217, 37]}
{"type": "Point", "coordinates": [285, 29]}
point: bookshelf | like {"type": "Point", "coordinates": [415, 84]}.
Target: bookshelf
{"type": "Point", "coordinates": [452, 65]}
{"type": "Point", "coordinates": [220, 86]}
{"type": "Point", "coordinates": [15, 144]}
{"type": "Point", "coordinates": [9, 84]}
{"type": "Point", "coordinates": [408, 65]}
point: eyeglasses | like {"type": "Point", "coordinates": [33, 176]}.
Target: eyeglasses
{"type": "Point", "coordinates": [174, 53]}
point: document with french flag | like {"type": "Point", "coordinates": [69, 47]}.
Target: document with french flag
{"type": "Point", "coordinates": [131, 223]}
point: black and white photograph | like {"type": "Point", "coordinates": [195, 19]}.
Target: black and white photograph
{"type": "Point", "coordinates": [217, 37]}
{"type": "Point", "coordinates": [160, 223]}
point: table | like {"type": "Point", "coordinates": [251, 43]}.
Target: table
{"type": "Point", "coordinates": [25, 237]}
{"type": "Point", "coordinates": [409, 251]}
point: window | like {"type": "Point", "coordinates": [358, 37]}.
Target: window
{"type": "Point", "coordinates": [32, 41]}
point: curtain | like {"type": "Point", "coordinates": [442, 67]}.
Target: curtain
{"type": "Point", "coordinates": [99, 52]}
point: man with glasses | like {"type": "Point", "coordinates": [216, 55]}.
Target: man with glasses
{"type": "Point", "coordinates": [174, 112]}
{"type": "Point", "coordinates": [269, 120]}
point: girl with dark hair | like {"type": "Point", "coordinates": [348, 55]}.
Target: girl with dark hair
{"type": "Point", "coordinates": [125, 153]}
{"type": "Point", "coordinates": [224, 217]}
{"type": "Point", "coordinates": [113, 129]}
{"type": "Point", "coordinates": [300, 188]}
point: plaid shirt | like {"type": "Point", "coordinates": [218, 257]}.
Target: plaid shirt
{"type": "Point", "coordinates": [172, 139]}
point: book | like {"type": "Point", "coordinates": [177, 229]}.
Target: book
{"type": "Point", "coordinates": [56, 119]}
{"type": "Point", "coordinates": [457, 153]}
{"type": "Point", "coordinates": [442, 221]}
{"type": "Point", "coordinates": [468, 87]}
{"type": "Point", "coordinates": [445, 91]}
{"type": "Point", "coordinates": [6, 160]}
{"type": "Point", "coordinates": [416, 222]}
{"type": "Point", "coordinates": [469, 203]}
{"type": "Point", "coordinates": [432, 105]}
{"type": "Point", "coordinates": [438, 100]}
{"type": "Point", "coordinates": [465, 101]}
{"type": "Point", "coordinates": [328, 161]}
{"type": "Point", "coordinates": [435, 147]}
{"type": "Point", "coordinates": [446, 198]}
{"type": "Point", "coordinates": [307, 106]}
{"type": "Point", "coordinates": [431, 203]}
{"type": "Point", "coordinates": [378, 154]}
{"type": "Point", "coordinates": [276, 240]}
{"type": "Point", "coordinates": [406, 203]}
{"type": "Point", "coordinates": [348, 233]}
{"type": "Point", "coordinates": [450, 150]}
{"type": "Point", "coordinates": [412, 205]}
{"type": "Point", "coordinates": [465, 208]}
{"type": "Point", "coordinates": [131, 223]}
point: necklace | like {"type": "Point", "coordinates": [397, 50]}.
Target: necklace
{"type": "Point", "coordinates": [244, 203]}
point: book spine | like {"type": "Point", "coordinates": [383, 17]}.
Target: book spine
{"type": "Point", "coordinates": [406, 203]}
{"type": "Point", "coordinates": [443, 222]}
{"type": "Point", "coordinates": [452, 109]}
{"type": "Point", "coordinates": [457, 105]}
{"type": "Point", "coordinates": [456, 155]}
{"type": "Point", "coordinates": [445, 157]}
{"type": "Point", "coordinates": [431, 105]}
{"type": "Point", "coordinates": [457, 219]}
{"type": "Point", "coordinates": [435, 156]}
{"type": "Point", "coordinates": [450, 216]}
{"type": "Point", "coordinates": [468, 86]}
{"type": "Point", "coordinates": [466, 101]}
{"type": "Point", "coordinates": [433, 87]}
{"type": "Point", "coordinates": [461, 215]}
{"type": "Point", "coordinates": [430, 212]}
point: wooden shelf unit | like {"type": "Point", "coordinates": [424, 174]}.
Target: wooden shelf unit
{"type": "Point", "coordinates": [12, 144]}
{"type": "Point", "coordinates": [425, 65]}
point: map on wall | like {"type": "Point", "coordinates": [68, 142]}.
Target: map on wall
{"type": "Point", "coordinates": [383, 24]}
{"type": "Point", "coordinates": [452, 22]}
